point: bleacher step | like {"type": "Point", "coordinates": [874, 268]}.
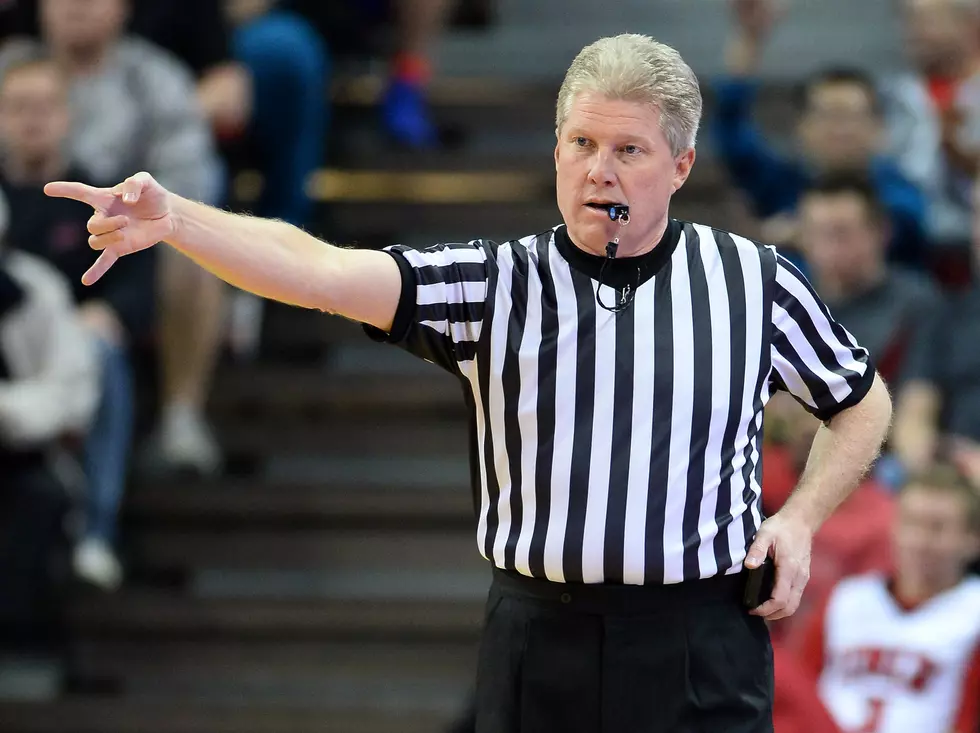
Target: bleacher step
{"type": "Point", "coordinates": [406, 676]}
{"type": "Point", "coordinates": [386, 435]}
{"type": "Point", "coordinates": [266, 390]}
{"type": "Point", "coordinates": [158, 615]}
{"type": "Point", "coordinates": [98, 715]}
{"type": "Point", "coordinates": [407, 551]}
{"type": "Point", "coordinates": [242, 503]}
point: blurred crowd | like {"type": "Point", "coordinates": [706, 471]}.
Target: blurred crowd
{"type": "Point", "coordinates": [876, 201]}
{"type": "Point", "coordinates": [191, 91]}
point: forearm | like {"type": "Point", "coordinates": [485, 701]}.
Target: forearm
{"type": "Point", "coordinates": [842, 452]}
{"type": "Point", "coordinates": [270, 258]}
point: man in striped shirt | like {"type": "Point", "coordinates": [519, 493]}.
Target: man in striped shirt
{"type": "Point", "coordinates": [616, 375]}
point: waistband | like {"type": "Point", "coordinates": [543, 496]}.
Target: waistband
{"type": "Point", "coordinates": [621, 599]}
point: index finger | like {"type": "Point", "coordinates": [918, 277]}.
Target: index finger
{"type": "Point", "coordinates": [97, 198]}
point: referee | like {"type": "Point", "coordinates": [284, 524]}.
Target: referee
{"type": "Point", "coordinates": [616, 368]}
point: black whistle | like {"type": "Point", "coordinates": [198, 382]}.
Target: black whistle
{"type": "Point", "coordinates": [619, 211]}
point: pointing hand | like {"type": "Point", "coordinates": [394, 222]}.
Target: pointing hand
{"type": "Point", "coordinates": [129, 217]}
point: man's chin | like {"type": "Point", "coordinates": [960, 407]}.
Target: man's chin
{"type": "Point", "coordinates": [590, 235]}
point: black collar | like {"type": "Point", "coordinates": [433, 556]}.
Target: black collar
{"type": "Point", "coordinates": [621, 271]}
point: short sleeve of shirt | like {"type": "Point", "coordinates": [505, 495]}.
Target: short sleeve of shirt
{"type": "Point", "coordinates": [443, 302]}
{"type": "Point", "coordinates": [814, 357]}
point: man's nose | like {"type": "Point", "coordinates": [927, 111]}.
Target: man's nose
{"type": "Point", "coordinates": [602, 171]}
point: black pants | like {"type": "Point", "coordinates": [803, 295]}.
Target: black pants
{"type": "Point", "coordinates": [683, 658]}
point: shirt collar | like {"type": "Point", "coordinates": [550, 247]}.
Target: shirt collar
{"type": "Point", "coordinates": [621, 271]}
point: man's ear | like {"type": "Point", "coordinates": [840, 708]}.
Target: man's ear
{"type": "Point", "coordinates": [682, 167]}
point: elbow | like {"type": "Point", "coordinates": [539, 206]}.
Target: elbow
{"type": "Point", "coordinates": [871, 417]}
{"type": "Point", "coordinates": [325, 291]}
{"type": "Point", "coordinates": [878, 411]}
{"type": "Point", "coordinates": [881, 404]}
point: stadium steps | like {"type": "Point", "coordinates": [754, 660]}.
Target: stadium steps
{"type": "Point", "coordinates": [99, 715]}
{"type": "Point", "coordinates": [252, 502]}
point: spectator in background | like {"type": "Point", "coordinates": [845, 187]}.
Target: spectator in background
{"type": "Point", "coordinates": [844, 232]}
{"type": "Point", "coordinates": [34, 128]}
{"type": "Point", "coordinates": [933, 111]}
{"type": "Point", "coordinates": [418, 25]}
{"type": "Point", "coordinates": [938, 412]}
{"type": "Point", "coordinates": [196, 32]}
{"type": "Point", "coordinates": [134, 108]}
{"type": "Point", "coordinates": [839, 129]}
{"type": "Point", "coordinates": [49, 388]}
{"type": "Point", "coordinates": [900, 653]}
{"type": "Point", "coordinates": [263, 74]}
{"type": "Point", "coordinates": [289, 67]}
{"type": "Point", "coordinates": [406, 114]}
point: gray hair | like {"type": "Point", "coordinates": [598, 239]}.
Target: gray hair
{"type": "Point", "coordinates": [637, 68]}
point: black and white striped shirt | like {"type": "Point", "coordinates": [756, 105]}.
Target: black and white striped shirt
{"type": "Point", "coordinates": [622, 447]}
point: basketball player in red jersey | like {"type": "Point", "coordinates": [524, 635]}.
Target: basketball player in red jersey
{"type": "Point", "coordinates": [901, 653]}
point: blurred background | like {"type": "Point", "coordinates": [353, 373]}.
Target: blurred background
{"type": "Point", "coordinates": [221, 514]}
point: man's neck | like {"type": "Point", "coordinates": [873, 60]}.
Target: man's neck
{"type": "Point", "coordinates": [34, 171]}
{"type": "Point", "coordinates": [626, 250]}
{"type": "Point", "coordinates": [910, 593]}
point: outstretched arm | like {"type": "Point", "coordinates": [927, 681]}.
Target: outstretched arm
{"type": "Point", "coordinates": [279, 261]}
{"type": "Point", "coordinates": [269, 258]}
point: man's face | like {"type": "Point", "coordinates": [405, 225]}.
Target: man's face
{"type": "Point", "coordinates": [614, 152]}
{"type": "Point", "coordinates": [34, 113]}
{"type": "Point", "coordinates": [843, 241]}
{"type": "Point", "coordinates": [933, 542]}
{"type": "Point", "coordinates": [938, 34]}
{"type": "Point", "coordinates": [82, 24]}
{"type": "Point", "coordinates": [839, 129]}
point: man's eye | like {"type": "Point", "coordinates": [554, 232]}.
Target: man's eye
{"type": "Point", "coordinates": [631, 149]}
{"type": "Point", "coordinates": [581, 141]}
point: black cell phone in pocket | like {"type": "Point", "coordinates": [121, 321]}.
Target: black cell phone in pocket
{"type": "Point", "coordinates": [759, 583]}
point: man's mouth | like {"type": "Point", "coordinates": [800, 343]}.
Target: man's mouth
{"type": "Point", "coordinates": [602, 205]}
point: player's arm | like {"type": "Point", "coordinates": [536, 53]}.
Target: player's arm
{"type": "Point", "coordinates": [279, 261]}
{"type": "Point", "coordinates": [968, 715]}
